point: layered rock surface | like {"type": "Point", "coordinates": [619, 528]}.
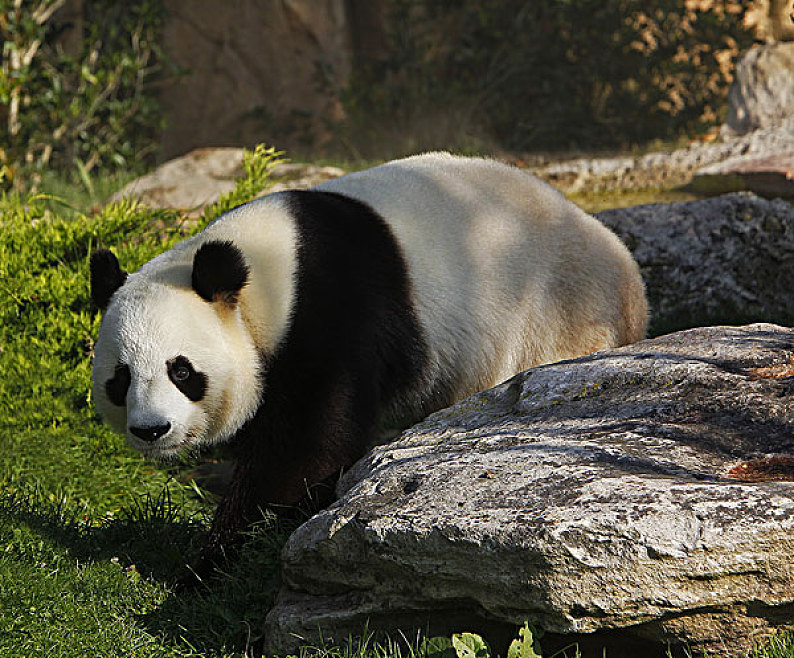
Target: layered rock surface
{"type": "Point", "coordinates": [611, 493]}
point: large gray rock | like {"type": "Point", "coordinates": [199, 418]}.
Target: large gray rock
{"type": "Point", "coordinates": [729, 259]}
{"type": "Point", "coordinates": [597, 496]}
{"type": "Point", "coordinates": [762, 93]}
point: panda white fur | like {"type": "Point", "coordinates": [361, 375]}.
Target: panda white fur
{"type": "Point", "coordinates": [294, 325]}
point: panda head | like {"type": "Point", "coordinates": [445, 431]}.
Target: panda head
{"type": "Point", "coordinates": [175, 367]}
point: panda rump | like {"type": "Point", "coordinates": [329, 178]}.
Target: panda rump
{"type": "Point", "coordinates": [315, 317]}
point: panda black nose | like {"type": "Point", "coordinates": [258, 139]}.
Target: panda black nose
{"type": "Point", "coordinates": [151, 433]}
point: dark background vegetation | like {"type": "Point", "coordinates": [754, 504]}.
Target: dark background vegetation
{"type": "Point", "coordinates": [560, 74]}
{"type": "Point", "coordinates": [82, 80]}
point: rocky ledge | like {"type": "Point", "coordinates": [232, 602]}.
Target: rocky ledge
{"type": "Point", "coordinates": [197, 179]}
{"type": "Point", "coordinates": [637, 494]}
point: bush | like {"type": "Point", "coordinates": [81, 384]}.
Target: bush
{"type": "Point", "coordinates": [556, 74]}
{"type": "Point", "coordinates": [75, 92]}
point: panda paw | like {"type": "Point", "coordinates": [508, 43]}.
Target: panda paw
{"type": "Point", "coordinates": [198, 574]}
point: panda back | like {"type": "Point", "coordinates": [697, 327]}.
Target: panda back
{"type": "Point", "coordinates": [505, 272]}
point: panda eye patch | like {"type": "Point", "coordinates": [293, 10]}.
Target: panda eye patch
{"type": "Point", "coordinates": [116, 387]}
{"type": "Point", "coordinates": [184, 376]}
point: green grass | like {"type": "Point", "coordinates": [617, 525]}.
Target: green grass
{"type": "Point", "coordinates": [596, 201]}
{"type": "Point", "coordinates": [91, 536]}
{"type": "Point", "coordinates": [77, 192]}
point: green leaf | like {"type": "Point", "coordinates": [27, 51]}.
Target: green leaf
{"type": "Point", "coordinates": [470, 645]}
{"type": "Point", "coordinates": [438, 647]}
{"type": "Point", "coordinates": [526, 646]}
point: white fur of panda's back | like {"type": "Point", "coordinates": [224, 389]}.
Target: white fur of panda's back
{"type": "Point", "coordinates": [506, 273]}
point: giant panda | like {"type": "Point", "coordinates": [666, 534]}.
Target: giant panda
{"type": "Point", "coordinates": [295, 326]}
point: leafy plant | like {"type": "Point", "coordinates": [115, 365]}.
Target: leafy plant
{"type": "Point", "coordinates": [258, 166]}
{"type": "Point", "coordinates": [74, 89]}
{"type": "Point", "coordinates": [471, 645]}
{"type": "Point", "coordinates": [526, 646]}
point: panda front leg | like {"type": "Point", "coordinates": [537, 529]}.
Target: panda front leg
{"type": "Point", "coordinates": [252, 493]}
{"type": "Point", "coordinates": [290, 447]}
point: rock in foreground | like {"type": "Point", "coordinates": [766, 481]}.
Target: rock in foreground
{"type": "Point", "coordinates": [637, 493]}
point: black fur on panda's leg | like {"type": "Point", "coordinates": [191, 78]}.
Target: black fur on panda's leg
{"type": "Point", "coordinates": [311, 446]}
{"type": "Point", "coordinates": [354, 345]}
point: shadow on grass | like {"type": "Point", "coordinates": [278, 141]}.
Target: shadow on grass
{"type": "Point", "coordinates": [153, 534]}
{"type": "Point", "coordinates": [155, 538]}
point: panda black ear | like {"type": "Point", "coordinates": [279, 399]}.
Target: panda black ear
{"type": "Point", "coordinates": [219, 271]}
{"type": "Point", "coordinates": [106, 277]}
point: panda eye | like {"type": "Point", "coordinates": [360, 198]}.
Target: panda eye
{"type": "Point", "coordinates": [180, 373]}
{"type": "Point", "coordinates": [116, 387]}
{"type": "Point", "coordinates": [180, 369]}
{"type": "Point", "coordinates": [184, 376]}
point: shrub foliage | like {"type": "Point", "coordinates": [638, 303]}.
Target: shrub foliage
{"type": "Point", "coordinates": [73, 89]}
{"type": "Point", "coordinates": [554, 74]}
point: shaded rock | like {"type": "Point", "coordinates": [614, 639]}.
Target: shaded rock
{"type": "Point", "coordinates": [762, 93]}
{"type": "Point", "coordinates": [770, 176]}
{"type": "Point", "coordinates": [729, 259]}
{"type": "Point", "coordinates": [663, 168]}
{"type": "Point", "coordinates": [200, 177]}
{"type": "Point", "coordinates": [594, 495]}
{"type": "Point", "coordinates": [254, 72]}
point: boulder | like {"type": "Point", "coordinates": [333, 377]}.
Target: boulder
{"type": "Point", "coordinates": [254, 72]}
{"type": "Point", "coordinates": [762, 93]}
{"type": "Point", "coordinates": [770, 176]}
{"type": "Point", "coordinates": [638, 496]}
{"type": "Point", "coordinates": [197, 179]}
{"type": "Point", "coordinates": [729, 259]}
